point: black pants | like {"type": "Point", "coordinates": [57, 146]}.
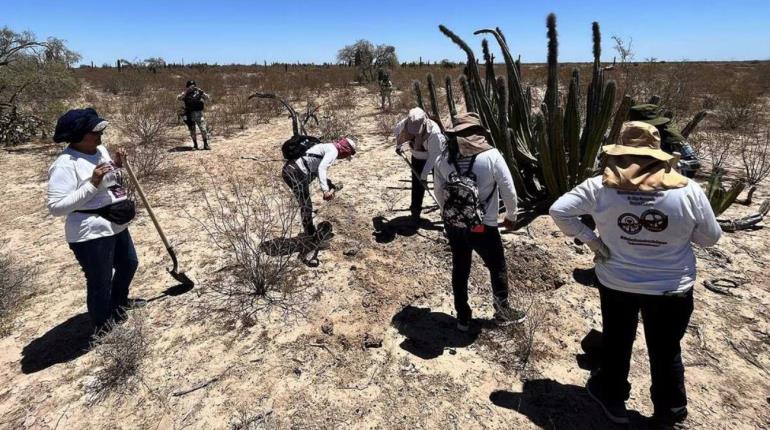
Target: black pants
{"type": "Point", "coordinates": [299, 183]}
{"type": "Point", "coordinates": [109, 264]}
{"type": "Point", "coordinates": [489, 246]}
{"type": "Point", "coordinates": [665, 321]}
{"type": "Point", "coordinates": [418, 190]}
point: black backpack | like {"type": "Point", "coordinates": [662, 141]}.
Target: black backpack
{"type": "Point", "coordinates": [193, 100]}
{"type": "Point", "coordinates": [297, 146]}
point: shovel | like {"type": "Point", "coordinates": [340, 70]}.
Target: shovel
{"type": "Point", "coordinates": [174, 271]}
{"type": "Point", "coordinates": [417, 175]}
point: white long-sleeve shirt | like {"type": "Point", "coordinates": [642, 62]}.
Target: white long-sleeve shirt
{"type": "Point", "coordinates": [492, 176]}
{"type": "Point", "coordinates": [648, 233]}
{"type": "Point", "coordinates": [316, 162]}
{"type": "Point", "coordinates": [433, 145]}
{"type": "Point", "coordinates": [70, 189]}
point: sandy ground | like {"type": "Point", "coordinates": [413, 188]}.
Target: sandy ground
{"type": "Point", "coordinates": [388, 355]}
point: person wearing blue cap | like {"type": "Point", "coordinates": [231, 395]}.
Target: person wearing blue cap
{"type": "Point", "coordinates": [85, 186]}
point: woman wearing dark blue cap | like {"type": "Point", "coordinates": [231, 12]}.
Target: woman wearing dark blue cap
{"type": "Point", "coordinates": [85, 185]}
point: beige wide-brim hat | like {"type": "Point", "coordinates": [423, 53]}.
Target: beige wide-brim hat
{"type": "Point", "coordinates": [639, 138]}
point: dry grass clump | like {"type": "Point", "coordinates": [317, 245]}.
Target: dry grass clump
{"type": "Point", "coordinates": [15, 280]}
{"type": "Point", "coordinates": [121, 351]}
{"type": "Point", "coordinates": [253, 221]}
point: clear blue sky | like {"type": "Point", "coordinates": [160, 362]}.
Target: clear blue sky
{"type": "Point", "coordinates": [312, 31]}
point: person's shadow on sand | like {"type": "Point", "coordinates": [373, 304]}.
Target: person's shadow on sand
{"type": "Point", "coordinates": [386, 230]}
{"type": "Point", "coordinates": [61, 344]}
{"type": "Point", "coordinates": [428, 333]}
{"type": "Point", "coordinates": [552, 405]}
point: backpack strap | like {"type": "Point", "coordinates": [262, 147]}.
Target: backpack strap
{"type": "Point", "coordinates": [470, 166]}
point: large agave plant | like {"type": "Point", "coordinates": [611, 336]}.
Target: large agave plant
{"type": "Point", "coordinates": [549, 150]}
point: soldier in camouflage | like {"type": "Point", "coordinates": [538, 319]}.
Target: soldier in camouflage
{"type": "Point", "coordinates": [194, 98]}
{"type": "Point", "coordinates": [386, 87]}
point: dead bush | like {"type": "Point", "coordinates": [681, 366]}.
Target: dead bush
{"type": "Point", "coordinates": [333, 123]}
{"type": "Point", "coordinates": [121, 351]}
{"type": "Point", "coordinates": [716, 146]}
{"type": "Point", "coordinates": [386, 122]}
{"type": "Point", "coordinates": [755, 153]}
{"type": "Point", "coordinates": [146, 124]}
{"type": "Point", "coordinates": [15, 280]}
{"type": "Point", "coordinates": [252, 220]}
{"type": "Point", "coordinates": [238, 110]}
{"type": "Point", "coordinates": [738, 109]}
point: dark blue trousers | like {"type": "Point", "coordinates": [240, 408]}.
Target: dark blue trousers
{"type": "Point", "coordinates": [109, 264]}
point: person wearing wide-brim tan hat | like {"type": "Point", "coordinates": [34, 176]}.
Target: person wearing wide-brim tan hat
{"type": "Point", "coordinates": [469, 157]}
{"type": "Point", "coordinates": [647, 216]}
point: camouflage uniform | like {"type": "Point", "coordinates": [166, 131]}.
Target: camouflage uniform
{"type": "Point", "coordinates": [193, 99]}
{"type": "Point", "coordinates": [386, 87]}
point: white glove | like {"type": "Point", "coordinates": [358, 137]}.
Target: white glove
{"type": "Point", "coordinates": [600, 250]}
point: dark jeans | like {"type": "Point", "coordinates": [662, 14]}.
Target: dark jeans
{"type": "Point", "coordinates": [299, 183]}
{"type": "Point", "coordinates": [489, 246]}
{"type": "Point", "coordinates": [418, 190]}
{"type": "Point", "coordinates": [665, 320]}
{"type": "Point", "coordinates": [109, 264]}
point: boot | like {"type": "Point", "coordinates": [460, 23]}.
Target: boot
{"type": "Point", "coordinates": [206, 144]}
{"type": "Point", "coordinates": [195, 145]}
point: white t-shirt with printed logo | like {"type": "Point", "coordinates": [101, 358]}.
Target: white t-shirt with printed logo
{"type": "Point", "coordinates": [70, 190]}
{"type": "Point", "coordinates": [649, 234]}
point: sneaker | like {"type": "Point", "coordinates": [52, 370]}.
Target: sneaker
{"type": "Point", "coordinates": [614, 409]}
{"type": "Point", "coordinates": [464, 325]}
{"type": "Point", "coordinates": [505, 315]}
{"type": "Point", "coordinates": [672, 418]}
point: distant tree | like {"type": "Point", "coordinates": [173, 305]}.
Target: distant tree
{"type": "Point", "coordinates": [154, 63]}
{"type": "Point", "coordinates": [368, 58]}
{"type": "Point", "coordinates": [35, 79]}
{"type": "Point", "coordinates": [624, 49]}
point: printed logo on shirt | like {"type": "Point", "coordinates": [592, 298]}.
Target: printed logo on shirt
{"type": "Point", "coordinates": [629, 223]}
{"type": "Point", "coordinates": [654, 220]}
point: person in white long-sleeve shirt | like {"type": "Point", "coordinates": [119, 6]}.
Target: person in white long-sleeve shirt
{"type": "Point", "coordinates": [468, 151]}
{"type": "Point", "coordinates": [425, 141]}
{"type": "Point", "coordinates": [299, 173]}
{"type": "Point", "coordinates": [85, 186]}
{"type": "Point", "coordinates": [647, 216]}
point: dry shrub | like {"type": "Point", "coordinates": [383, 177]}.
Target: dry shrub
{"type": "Point", "coordinates": [146, 123]}
{"type": "Point", "coordinates": [716, 146]}
{"type": "Point", "coordinates": [532, 276]}
{"type": "Point", "coordinates": [243, 216]}
{"type": "Point", "coordinates": [738, 109]}
{"type": "Point", "coordinates": [386, 122]}
{"type": "Point", "coordinates": [121, 351]}
{"type": "Point", "coordinates": [755, 153]}
{"type": "Point", "coordinates": [334, 123]}
{"type": "Point", "coordinates": [15, 280]}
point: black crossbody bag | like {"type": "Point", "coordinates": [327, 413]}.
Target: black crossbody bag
{"type": "Point", "coordinates": [121, 212]}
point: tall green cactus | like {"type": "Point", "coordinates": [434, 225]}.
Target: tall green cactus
{"type": "Point", "coordinates": [435, 112]}
{"type": "Point", "coordinates": [450, 99]}
{"type": "Point", "coordinates": [418, 95]}
{"type": "Point", "coordinates": [551, 150]}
